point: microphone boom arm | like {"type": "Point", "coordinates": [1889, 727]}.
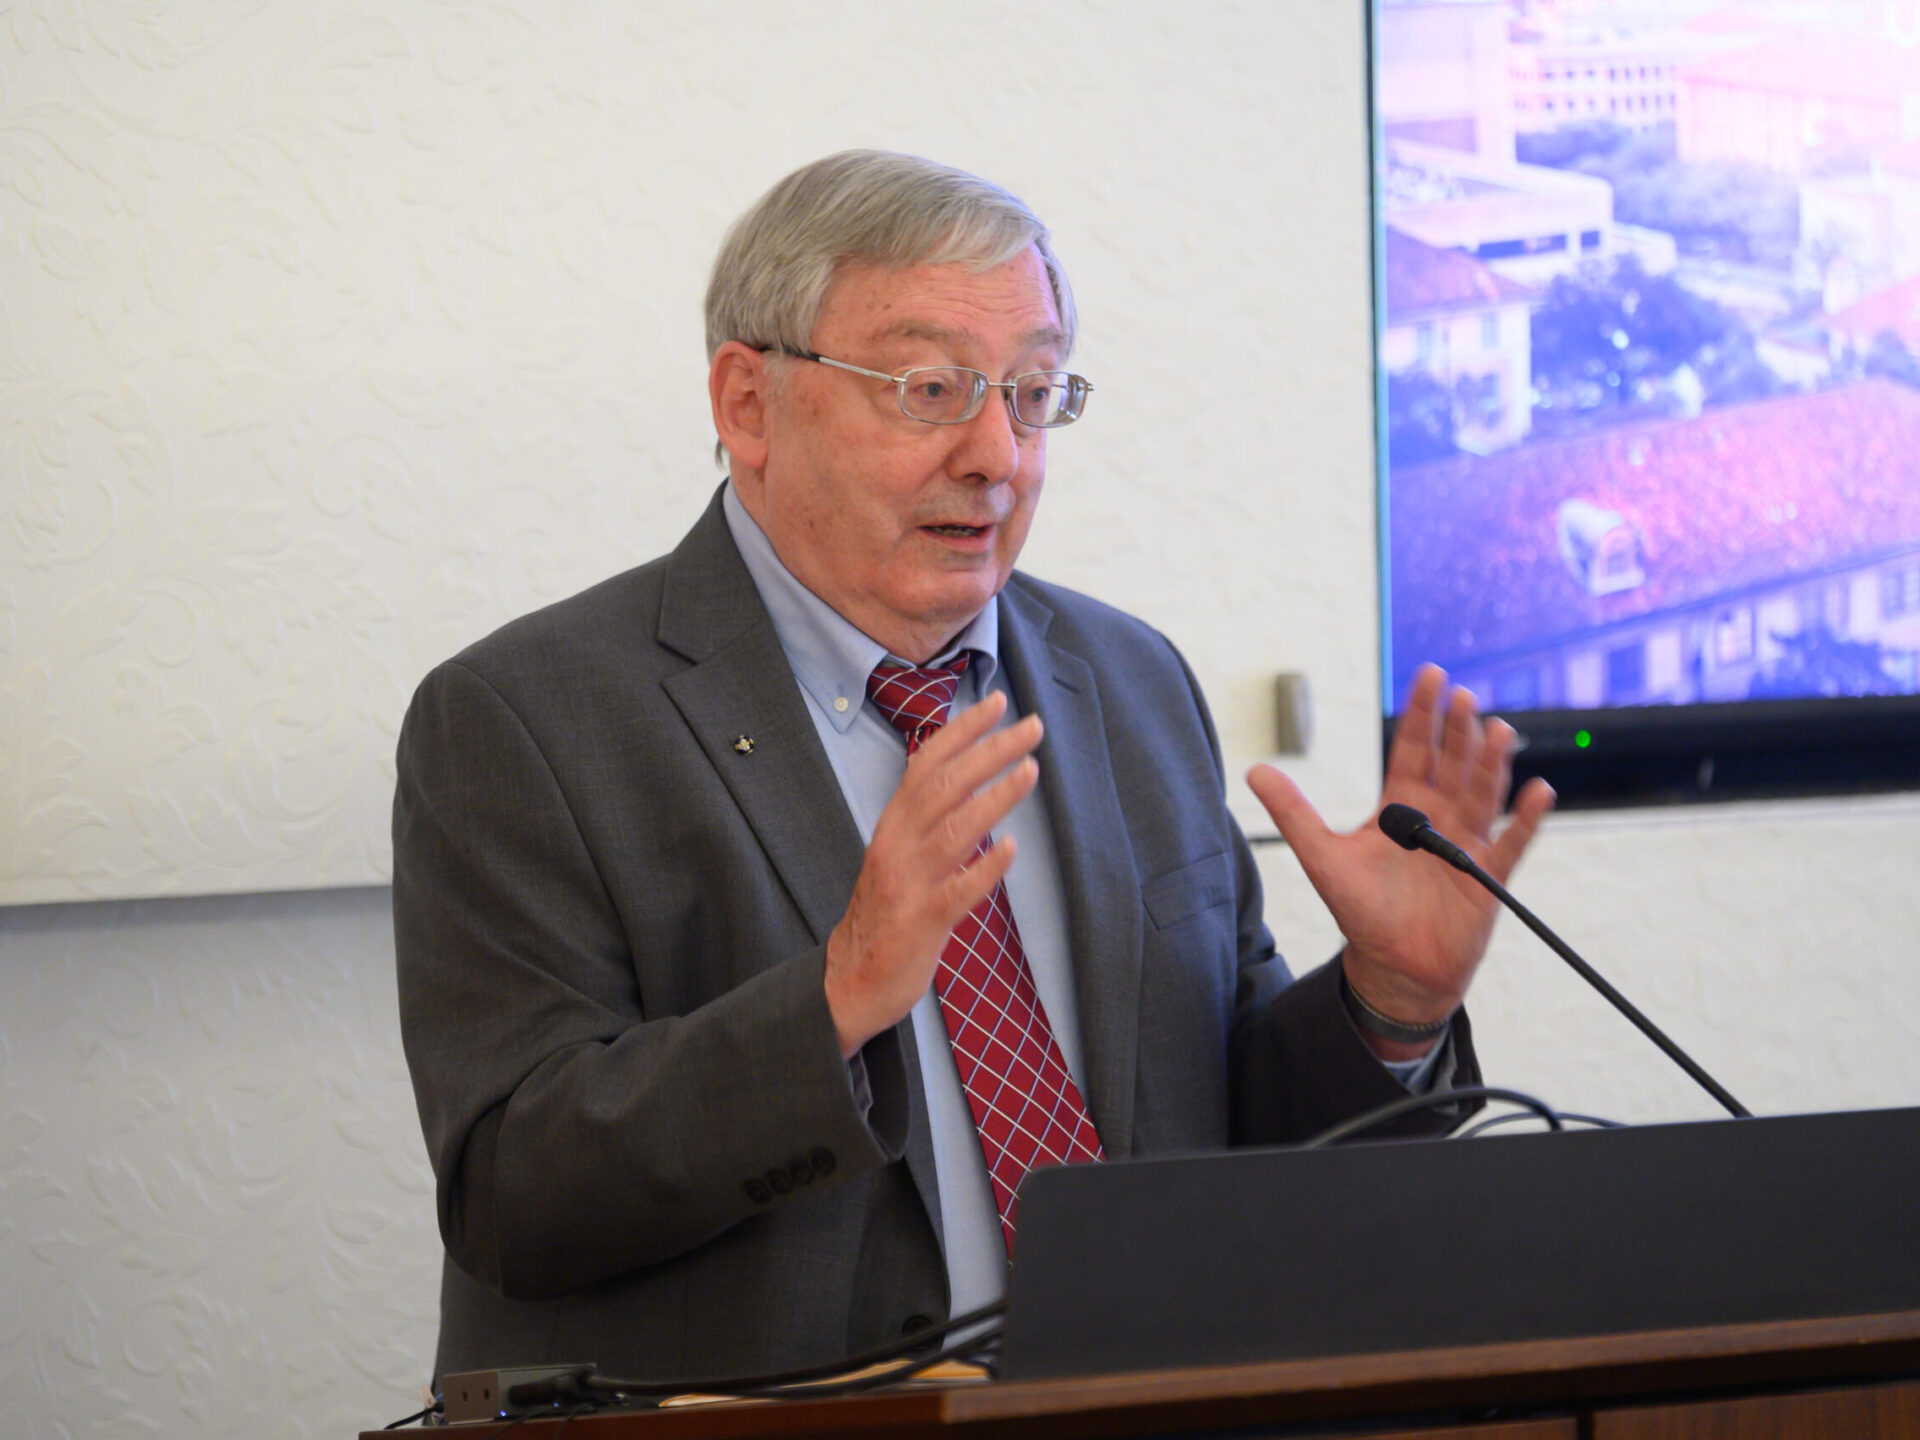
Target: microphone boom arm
{"type": "Point", "coordinates": [1411, 830]}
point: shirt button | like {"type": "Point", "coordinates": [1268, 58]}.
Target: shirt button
{"type": "Point", "coordinates": [840, 703]}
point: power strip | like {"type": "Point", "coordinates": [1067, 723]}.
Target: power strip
{"type": "Point", "coordinates": [475, 1395]}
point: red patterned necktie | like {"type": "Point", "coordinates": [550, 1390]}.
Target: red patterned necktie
{"type": "Point", "coordinates": [1025, 1105]}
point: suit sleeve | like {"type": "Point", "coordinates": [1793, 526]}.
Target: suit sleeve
{"type": "Point", "coordinates": [572, 1135]}
{"type": "Point", "coordinates": [1300, 1066]}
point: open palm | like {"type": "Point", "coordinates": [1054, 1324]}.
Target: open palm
{"type": "Point", "coordinates": [1415, 927]}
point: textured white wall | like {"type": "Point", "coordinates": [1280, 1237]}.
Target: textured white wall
{"type": "Point", "coordinates": [336, 333]}
{"type": "Point", "coordinates": [215, 1215]}
{"type": "Point", "coordinates": [332, 335]}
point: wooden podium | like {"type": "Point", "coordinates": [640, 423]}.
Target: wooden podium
{"type": "Point", "coordinates": [1752, 1278]}
{"type": "Point", "coordinates": [1851, 1378]}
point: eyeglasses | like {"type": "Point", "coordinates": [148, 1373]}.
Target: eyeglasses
{"type": "Point", "coordinates": [953, 394]}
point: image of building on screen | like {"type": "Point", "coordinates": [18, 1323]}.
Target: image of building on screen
{"type": "Point", "coordinates": [1649, 335]}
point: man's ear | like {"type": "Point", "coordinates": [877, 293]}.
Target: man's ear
{"type": "Point", "coordinates": [738, 385]}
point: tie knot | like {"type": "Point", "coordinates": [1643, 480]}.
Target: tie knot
{"type": "Point", "coordinates": [915, 699]}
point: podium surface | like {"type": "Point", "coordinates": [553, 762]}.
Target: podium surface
{"type": "Point", "coordinates": [1856, 1377]}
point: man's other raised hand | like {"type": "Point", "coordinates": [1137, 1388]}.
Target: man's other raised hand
{"type": "Point", "coordinates": [1416, 928]}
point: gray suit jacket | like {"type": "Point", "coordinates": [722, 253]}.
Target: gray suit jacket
{"type": "Point", "coordinates": [610, 925]}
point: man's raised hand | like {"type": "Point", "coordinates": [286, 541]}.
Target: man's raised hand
{"type": "Point", "coordinates": [1416, 928]}
{"type": "Point", "coordinates": [923, 871]}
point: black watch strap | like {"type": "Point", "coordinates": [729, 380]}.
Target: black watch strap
{"type": "Point", "coordinates": [1383, 1026]}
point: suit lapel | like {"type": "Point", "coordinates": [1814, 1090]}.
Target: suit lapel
{"type": "Point", "coordinates": [755, 728]}
{"type": "Point", "coordinates": [784, 784]}
{"type": "Point", "coordinates": [1096, 857]}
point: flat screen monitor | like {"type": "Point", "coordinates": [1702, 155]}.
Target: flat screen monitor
{"type": "Point", "coordinates": [1647, 303]}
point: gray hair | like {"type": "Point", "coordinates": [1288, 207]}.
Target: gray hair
{"type": "Point", "coordinates": [862, 206]}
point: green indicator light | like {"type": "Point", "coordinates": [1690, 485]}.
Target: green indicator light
{"type": "Point", "coordinates": [1582, 738]}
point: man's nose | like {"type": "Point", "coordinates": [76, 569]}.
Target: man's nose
{"type": "Point", "coordinates": [990, 442]}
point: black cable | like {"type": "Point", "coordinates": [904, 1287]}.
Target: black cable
{"type": "Point", "coordinates": [1514, 1116]}
{"type": "Point", "coordinates": [781, 1381]}
{"type": "Point", "coordinates": [855, 1385]}
{"type": "Point", "coordinates": [1414, 1103]}
{"type": "Point", "coordinates": [615, 1391]}
{"type": "Point", "coordinates": [986, 1356]}
{"type": "Point", "coordinates": [1596, 1122]}
{"type": "Point", "coordinates": [574, 1385]}
{"type": "Point", "coordinates": [414, 1418]}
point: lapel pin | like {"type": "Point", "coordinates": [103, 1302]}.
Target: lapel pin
{"type": "Point", "coordinates": [744, 744]}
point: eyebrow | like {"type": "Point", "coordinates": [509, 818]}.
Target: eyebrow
{"type": "Point", "coordinates": [947, 336]}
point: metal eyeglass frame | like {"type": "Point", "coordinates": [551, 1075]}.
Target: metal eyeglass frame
{"type": "Point", "coordinates": [1078, 387]}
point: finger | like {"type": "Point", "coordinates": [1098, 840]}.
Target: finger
{"type": "Point", "coordinates": [972, 883]}
{"type": "Point", "coordinates": [1299, 823]}
{"type": "Point", "coordinates": [937, 783]}
{"type": "Point", "coordinates": [1535, 801]}
{"type": "Point", "coordinates": [979, 762]}
{"type": "Point", "coordinates": [959, 833]}
{"type": "Point", "coordinates": [971, 729]}
{"type": "Point", "coordinates": [1486, 789]}
{"type": "Point", "coordinates": [1414, 738]}
{"type": "Point", "coordinates": [963, 729]}
{"type": "Point", "coordinates": [1461, 740]}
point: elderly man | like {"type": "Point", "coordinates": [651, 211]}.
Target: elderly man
{"type": "Point", "coordinates": [764, 913]}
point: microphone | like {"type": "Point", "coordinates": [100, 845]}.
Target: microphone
{"type": "Point", "coordinates": [1411, 830]}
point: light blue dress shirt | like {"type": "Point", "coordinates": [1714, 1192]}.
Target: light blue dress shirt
{"type": "Point", "coordinates": [831, 660]}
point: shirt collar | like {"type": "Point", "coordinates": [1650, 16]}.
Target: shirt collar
{"type": "Point", "coordinates": [830, 655]}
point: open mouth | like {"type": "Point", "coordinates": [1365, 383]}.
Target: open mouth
{"type": "Point", "coordinates": [957, 532]}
